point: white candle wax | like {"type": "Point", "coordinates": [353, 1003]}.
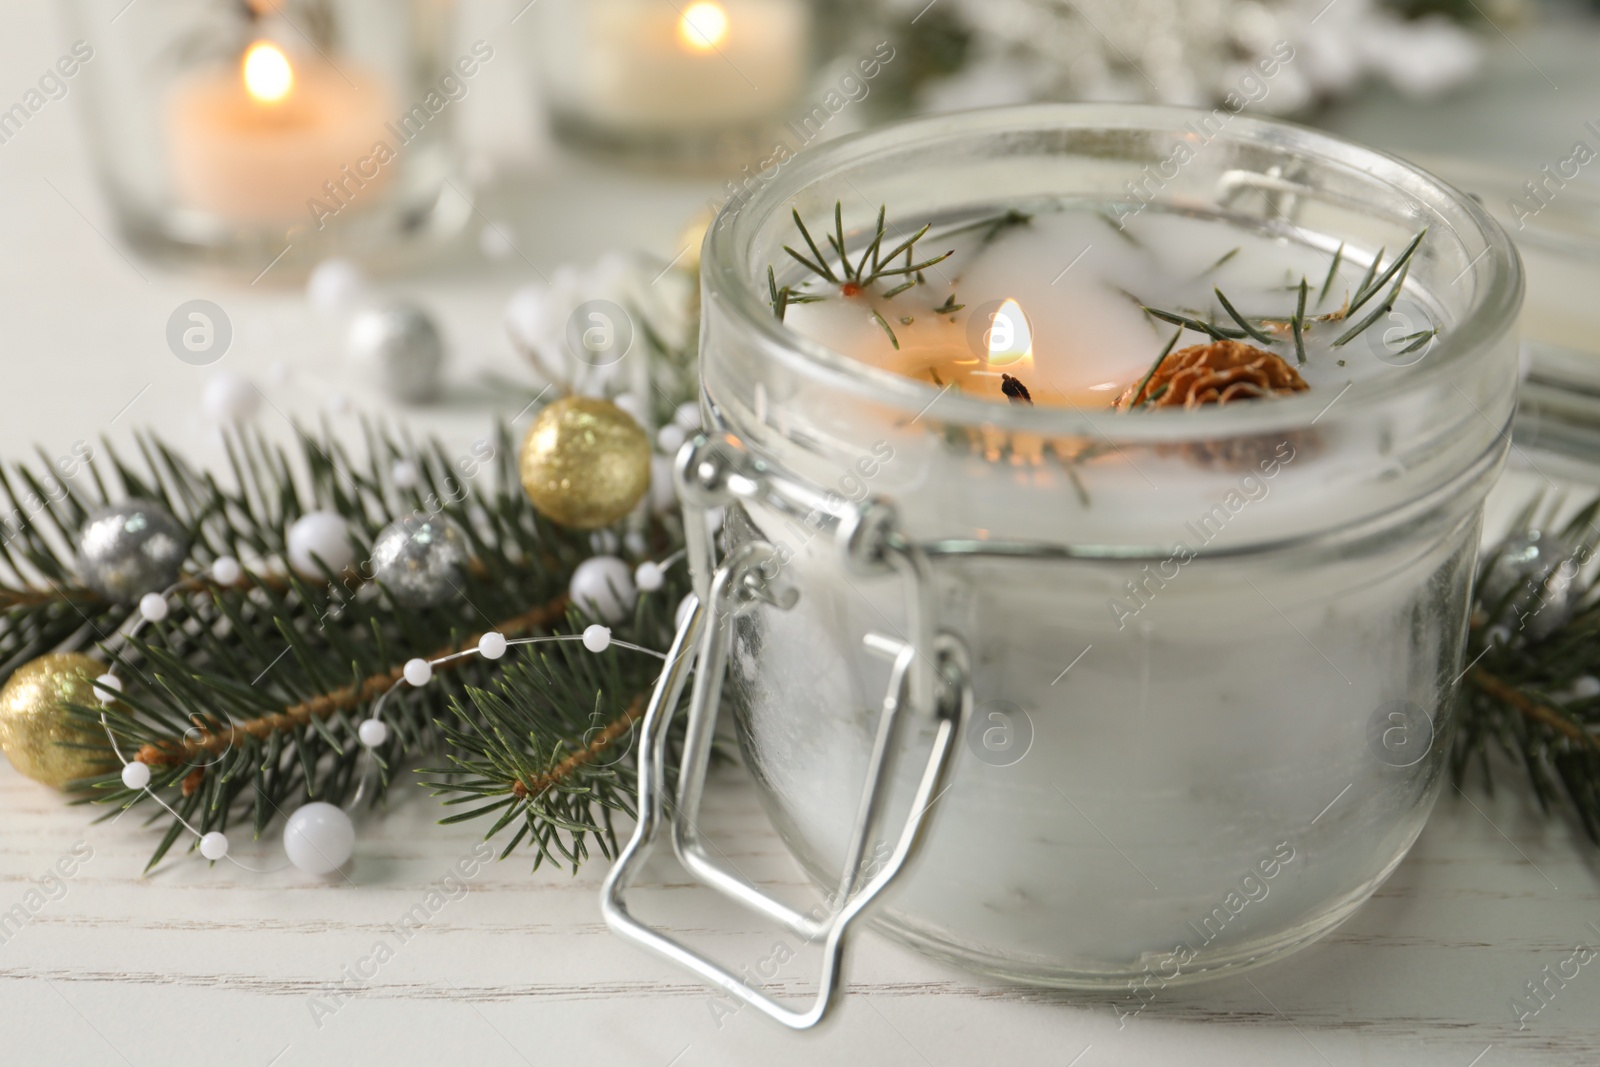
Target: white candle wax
{"type": "Point", "coordinates": [1079, 279]}
{"type": "Point", "coordinates": [251, 155]}
{"type": "Point", "coordinates": [645, 65]}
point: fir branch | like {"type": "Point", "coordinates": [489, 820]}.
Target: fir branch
{"type": "Point", "coordinates": [1522, 695]}
{"type": "Point", "coordinates": [245, 700]}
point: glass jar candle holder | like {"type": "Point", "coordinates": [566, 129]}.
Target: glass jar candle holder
{"type": "Point", "coordinates": [243, 133]}
{"type": "Point", "coordinates": [690, 85]}
{"type": "Point", "coordinates": [1186, 674]}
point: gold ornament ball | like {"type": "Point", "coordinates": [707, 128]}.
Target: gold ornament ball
{"type": "Point", "coordinates": [34, 723]}
{"type": "Point", "coordinates": [585, 462]}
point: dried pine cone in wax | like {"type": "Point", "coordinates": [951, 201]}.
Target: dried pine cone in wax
{"type": "Point", "coordinates": [1219, 373]}
{"type": "Point", "coordinates": [1215, 373]}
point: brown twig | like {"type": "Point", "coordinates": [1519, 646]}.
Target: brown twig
{"type": "Point", "coordinates": [615, 729]}
{"type": "Point", "coordinates": [1540, 713]}
{"type": "Point", "coordinates": [326, 704]}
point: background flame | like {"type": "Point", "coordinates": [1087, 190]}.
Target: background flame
{"type": "Point", "coordinates": [703, 26]}
{"type": "Point", "coordinates": [267, 74]}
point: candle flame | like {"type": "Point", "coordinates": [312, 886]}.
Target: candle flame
{"type": "Point", "coordinates": [267, 74]}
{"type": "Point", "coordinates": [703, 26]}
{"type": "Point", "coordinates": [1010, 339]}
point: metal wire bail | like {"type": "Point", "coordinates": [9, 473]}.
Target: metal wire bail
{"type": "Point", "coordinates": [928, 683]}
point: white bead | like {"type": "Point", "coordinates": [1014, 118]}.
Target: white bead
{"type": "Point", "coordinates": [635, 542]}
{"type": "Point", "coordinates": [1586, 686]}
{"type": "Point", "coordinates": [687, 415]}
{"type": "Point", "coordinates": [492, 645]}
{"type": "Point", "coordinates": [406, 474]}
{"type": "Point", "coordinates": [682, 614]}
{"type": "Point", "coordinates": [373, 732]}
{"type": "Point", "coordinates": [214, 846]}
{"type": "Point", "coordinates": [230, 397]}
{"type": "Point", "coordinates": [135, 775]}
{"type": "Point", "coordinates": [336, 286]}
{"type": "Point", "coordinates": [596, 638]}
{"type": "Point", "coordinates": [495, 241]}
{"type": "Point", "coordinates": [226, 571]}
{"type": "Point", "coordinates": [670, 438]}
{"type": "Point", "coordinates": [631, 404]}
{"type": "Point", "coordinates": [603, 586]}
{"type": "Point", "coordinates": [107, 687]}
{"type": "Point", "coordinates": [318, 838]}
{"type": "Point", "coordinates": [648, 577]}
{"type": "Point", "coordinates": [324, 534]}
{"type": "Point", "coordinates": [419, 672]}
{"type": "Point", "coordinates": [153, 607]}
{"type": "Point", "coordinates": [663, 489]}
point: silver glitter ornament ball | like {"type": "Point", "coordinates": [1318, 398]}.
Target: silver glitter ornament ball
{"type": "Point", "coordinates": [129, 549]}
{"type": "Point", "coordinates": [421, 561]}
{"type": "Point", "coordinates": [400, 346]}
{"type": "Point", "coordinates": [1534, 575]}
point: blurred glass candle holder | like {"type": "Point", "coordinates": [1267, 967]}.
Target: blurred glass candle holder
{"type": "Point", "coordinates": [1211, 651]}
{"type": "Point", "coordinates": [236, 132]}
{"type": "Point", "coordinates": [692, 84]}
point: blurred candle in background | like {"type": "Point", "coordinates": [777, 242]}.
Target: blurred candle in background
{"type": "Point", "coordinates": [646, 68]}
{"type": "Point", "coordinates": [257, 141]}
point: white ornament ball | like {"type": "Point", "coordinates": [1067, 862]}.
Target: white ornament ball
{"type": "Point", "coordinates": [1586, 686]}
{"type": "Point", "coordinates": [336, 286]}
{"type": "Point", "coordinates": [153, 607]}
{"type": "Point", "coordinates": [373, 732]}
{"type": "Point", "coordinates": [492, 645]}
{"type": "Point", "coordinates": [107, 687]}
{"type": "Point", "coordinates": [398, 345]}
{"type": "Point", "coordinates": [319, 838]}
{"type": "Point", "coordinates": [670, 438]}
{"type": "Point", "coordinates": [419, 672]}
{"type": "Point", "coordinates": [687, 415]}
{"type": "Point", "coordinates": [648, 577]}
{"type": "Point", "coordinates": [230, 397]}
{"type": "Point", "coordinates": [135, 775]}
{"type": "Point", "coordinates": [596, 638]}
{"type": "Point", "coordinates": [603, 586]}
{"type": "Point", "coordinates": [320, 534]}
{"type": "Point", "coordinates": [226, 571]}
{"type": "Point", "coordinates": [214, 846]}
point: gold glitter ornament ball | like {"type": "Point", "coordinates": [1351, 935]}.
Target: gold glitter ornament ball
{"type": "Point", "coordinates": [585, 462]}
{"type": "Point", "coordinates": [34, 723]}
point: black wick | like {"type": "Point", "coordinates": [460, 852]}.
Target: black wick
{"type": "Point", "coordinates": [1015, 390]}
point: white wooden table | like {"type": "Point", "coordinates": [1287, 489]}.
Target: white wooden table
{"type": "Point", "coordinates": [197, 964]}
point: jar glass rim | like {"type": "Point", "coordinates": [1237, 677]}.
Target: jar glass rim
{"type": "Point", "coordinates": [727, 279]}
